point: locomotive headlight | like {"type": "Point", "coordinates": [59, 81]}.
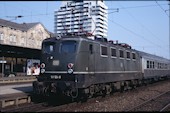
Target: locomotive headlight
{"type": "Point", "coordinates": [42, 70]}
{"type": "Point", "coordinates": [70, 71]}
{"type": "Point", "coordinates": [42, 65]}
{"type": "Point", "coordinates": [70, 65]}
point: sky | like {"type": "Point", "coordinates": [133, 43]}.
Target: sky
{"type": "Point", "coordinates": [142, 24]}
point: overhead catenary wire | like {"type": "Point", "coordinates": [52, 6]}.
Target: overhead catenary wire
{"type": "Point", "coordinates": [161, 8]}
{"type": "Point", "coordinates": [143, 6]}
{"type": "Point", "coordinates": [148, 46]}
{"type": "Point", "coordinates": [143, 27]}
{"type": "Point", "coordinates": [138, 35]}
{"type": "Point", "coordinates": [154, 36]}
{"type": "Point", "coordinates": [46, 7]}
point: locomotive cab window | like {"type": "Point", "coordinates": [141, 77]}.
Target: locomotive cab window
{"type": "Point", "coordinates": [68, 47]}
{"type": "Point", "coordinates": [48, 47]}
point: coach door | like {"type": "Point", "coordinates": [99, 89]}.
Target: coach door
{"type": "Point", "coordinates": [91, 59]}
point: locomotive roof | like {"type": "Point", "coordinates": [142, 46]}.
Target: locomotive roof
{"type": "Point", "coordinates": [70, 37]}
{"type": "Point", "coordinates": [141, 53]}
{"type": "Point", "coordinates": [66, 37]}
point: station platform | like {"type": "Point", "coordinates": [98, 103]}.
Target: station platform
{"type": "Point", "coordinates": [18, 79]}
{"type": "Point", "coordinates": [15, 94]}
{"type": "Point", "coordinates": [16, 88]}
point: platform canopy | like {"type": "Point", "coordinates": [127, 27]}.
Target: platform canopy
{"type": "Point", "coordinates": [19, 52]}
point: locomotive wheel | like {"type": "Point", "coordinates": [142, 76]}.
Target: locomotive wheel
{"type": "Point", "coordinates": [108, 89]}
{"type": "Point", "coordinates": [144, 82]}
{"type": "Point", "coordinates": [105, 91]}
{"type": "Point", "coordinates": [132, 85]}
{"type": "Point", "coordinates": [122, 87]}
{"type": "Point", "coordinates": [113, 89]}
{"type": "Point", "coordinates": [83, 98]}
{"type": "Point", "coordinates": [91, 91]}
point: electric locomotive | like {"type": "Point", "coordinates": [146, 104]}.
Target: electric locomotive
{"type": "Point", "coordinates": [76, 66]}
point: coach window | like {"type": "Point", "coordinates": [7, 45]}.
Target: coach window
{"type": "Point", "coordinates": [113, 52]}
{"type": "Point", "coordinates": [166, 66]}
{"type": "Point", "coordinates": [150, 64]}
{"type": "Point", "coordinates": [147, 64]}
{"type": "Point", "coordinates": [133, 56]}
{"type": "Point", "coordinates": [103, 50]}
{"type": "Point", "coordinates": [158, 65]}
{"type": "Point", "coordinates": [121, 54]}
{"type": "Point", "coordinates": [153, 64]}
{"type": "Point", "coordinates": [162, 65]}
{"type": "Point", "coordinates": [128, 55]}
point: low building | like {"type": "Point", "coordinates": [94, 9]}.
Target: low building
{"type": "Point", "coordinates": [18, 44]}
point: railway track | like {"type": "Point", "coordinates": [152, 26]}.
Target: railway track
{"type": "Point", "coordinates": [67, 106]}
{"type": "Point", "coordinates": [50, 106]}
{"type": "Point", "coordinates": [157, 103]}
{"type": "Point", "coordinates": [98, 103]}
{"type": "Point", "coordinates": [166, 108]}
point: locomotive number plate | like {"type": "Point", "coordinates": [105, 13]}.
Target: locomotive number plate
{"type": "Point", "coordinates": [55, 76]}
{"type": "Point", "coordinates": [56, 62]}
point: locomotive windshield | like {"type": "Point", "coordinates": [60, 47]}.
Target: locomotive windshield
{"type": "Point", "coordinates": [48, 48]}
{"type": "Point", "coordinates": [68, 47]}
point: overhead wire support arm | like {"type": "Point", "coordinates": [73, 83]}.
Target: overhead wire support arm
{"type": "Point", "coordinates": [117, 10]}
{"type": "Point", "coordinates": [161, 8]}
{"type": "Point", "coordinates": [15, 17]}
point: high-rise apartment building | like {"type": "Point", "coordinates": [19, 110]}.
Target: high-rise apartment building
{"type": "Point", "coordinates": [82, 17]}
